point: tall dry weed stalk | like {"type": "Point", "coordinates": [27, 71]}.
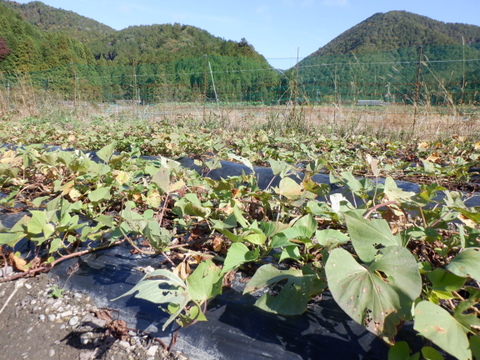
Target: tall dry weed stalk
{"type": "Point", "coordinates": [391, 122]}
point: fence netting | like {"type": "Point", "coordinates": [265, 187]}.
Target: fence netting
{"type": "Point", "coordinates": [429, 74]}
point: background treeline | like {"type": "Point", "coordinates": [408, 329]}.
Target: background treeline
{"type": "Point", "coordinates": [397, 56]}
{"type": "Point", "coordinates": [436, 74]}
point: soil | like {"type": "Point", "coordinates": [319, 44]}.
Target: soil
{"type": "Point", "coordinates": [37, 322]}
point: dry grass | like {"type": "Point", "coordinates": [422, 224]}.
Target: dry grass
{"type": "Point", "coordinates": [395, 122]}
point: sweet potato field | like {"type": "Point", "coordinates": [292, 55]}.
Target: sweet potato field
{"type": "Point", "coordinates": [392, 233]}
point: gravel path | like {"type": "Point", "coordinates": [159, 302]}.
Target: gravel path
{"type": "Point", "coordinates": [35, 324]}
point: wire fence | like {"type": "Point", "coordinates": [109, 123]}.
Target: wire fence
{"type": "Point", "coordinates": [427, 78]}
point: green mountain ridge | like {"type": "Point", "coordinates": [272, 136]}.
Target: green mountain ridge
{"type": "Point", "coordinates": [394, 56]}
{"type": "Point", "coordinates": [50, 19]}
{"type": "Point", "coordinates": [133, 45]}
{"type": "Point", "coordinates": [381, 52]}
{"type": "Point", "coordinates": [398, 29]}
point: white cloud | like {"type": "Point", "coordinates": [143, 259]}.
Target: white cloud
{"type": "Point", "coordinates": [336, 3]}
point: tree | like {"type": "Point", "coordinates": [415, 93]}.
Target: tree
{"type": "Point", "coordinates": [4, 50]}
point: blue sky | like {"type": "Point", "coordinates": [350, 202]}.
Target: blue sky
{"type": "Point", "coordinates": [276, 28]}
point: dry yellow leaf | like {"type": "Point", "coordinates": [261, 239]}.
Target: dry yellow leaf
{"type": "Point", "coordinates": [373, 162]}
{"type": "Point", "coordinates": [182, 270]}
{"type": "Point", "coordinates": [467, 221]}
{"type": "Point", "coordinates": [121, 176]}
{"type": "Point", "coordinates": [433, 158]}
{"type": "Point", "coordinates": [217, 243]}
{"type": "Point", "coordinates": [10, 157]}
{"type": "Point", "coordinates": [477, 146]}
{"type": "Point", "coordinates": [74, 194]}
{"type": "Point", "coordinates": [17, 262]}
{"type": "Point", "coordinates": [422, 145]}
{"type": "Point", "coordinates": [67, 187]}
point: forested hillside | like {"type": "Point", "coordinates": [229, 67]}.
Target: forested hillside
{"type": "Point", "coordinates": [32, 49]}
{"type": "Point", "coordinates": [398, 29]}
{"type": "Point", "coordinates": [380, 57]}
{"type": "Point", "coordinates": [50, 19]}
{"type": "Point", "coordinates": [165, 43]}
{"type": "Point", "coordinates": [394, 56]}
{"type": "Point", "coordinates": [168, 61]}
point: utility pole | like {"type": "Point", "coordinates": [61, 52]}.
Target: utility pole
{"type": "Point", "coordinates": [213, 82]}
{"type": "Point", "coordinates": [295, 86]}
{"type": "Point", "coordinates": [463, 70]}
{"type": "Point", "coordinates": [204, 85]}
{"type": "Point", "coordinates": [8, 93]}
{"type": "Point", "coordinates": [134, 88]}
{"type": "Point", "coordinates": [419, 71]}
{"type": "Point", "coordinates": [417, 92]}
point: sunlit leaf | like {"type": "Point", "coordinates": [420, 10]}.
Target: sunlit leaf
{"type": "Point", "coordinates": [106, 152]}
{"type": "Point", "coordinates": [37, 222]}
{"type": "Point", "coordinates": [466, 263]}
{"type": "Point", "coordinates": [378, 294]}
{"type": "Point", "coordinates": [394, 193]}
{"type": "Point", "coordinates": [160, 287]}
{"type": "Point", "coordinates": [437, 325]}
{"type": "Point", "coordinates": [368, 236]}
{"type": "Point", "coordinates": [331, 238]}
{"type": "Point", "coordinates": [122, 177]}
{"type": "Point", "coordinates": [100, 194]}
{"type": "Point", "coordinates": [289, 188]}
{"type": "Point", "coordinates": [10, 238]}
{"type": "Point", "coordinates": [237, 255]}
{"type": "Point", "coordinates": [290, 252]}
{"type": "Point", "coordinates": [205, 282]}
{"type": "Point", "coordinates": [55, 245]}
{"type": "Point", "coordinates": [48, 230]}
{"type": "Point", "coordinates": [162, 179]}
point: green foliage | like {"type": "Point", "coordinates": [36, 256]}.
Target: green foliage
{"type": "Point", "coordinates": [185, 299]}
{"type": "Point", "coordinates": [387, 255]}
{"type": "Point", "coordinates": [32, 49]}
{"type": "Point", "coordinates": [378, 294]}
{"type": "Point", "coordinates": [376, 59]}
{"type": "Point", "coordinates": [51, 19]}
{"type": "Point", "coordinates": [295, 293]}
{"type": "Point", "coordinates": [56, 292]}
{"type": "Point", "coordinates": [437, 325]}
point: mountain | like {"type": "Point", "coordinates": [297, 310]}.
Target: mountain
{"type": "Point", "coordinates": [50, 19]}
{"type": "Point", "coordinates": [31, 49]}
{"type": "Point", "coordinates": [133, 45]}
{"type": "Point", "coordinates": [388, 55]}
{"type": "Point", "coordinates": [379, 58]}
{"type": "Point", "coordinates": [165, 43]}
{"type": "Point", "coordinates": [398, 29]}
{"type": "Point", "coordinates": [151, 63]}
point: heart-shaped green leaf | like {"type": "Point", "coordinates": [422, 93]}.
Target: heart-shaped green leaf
{"type": "Point", "coordinates": [379, 294]}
